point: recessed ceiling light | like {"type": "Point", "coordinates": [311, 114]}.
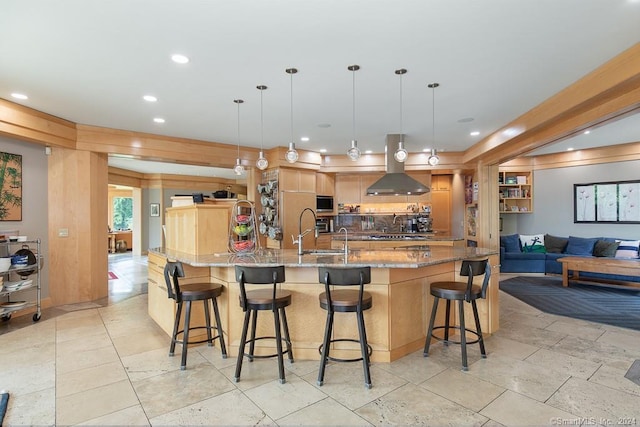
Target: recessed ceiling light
{"type": "Point", "coordinates": [150, 98]}
{"type": "Point", "coordinates": [587, 132]}
{"type": "Point", "coordinates": [158, 120]}
{"type": "Point", "coordinates": [426, 150]}
{"type": "Point", "coordinates": [304, 139]}
{"type": "Point", "coordinates": [179, 59]}
{"type": "Point", "coordinates": [474, 133]}
{"type": "Point", "coordinates": [368, 151]}
{"type": "Point", "coordinates": [570, 149]}
{"type": "Point", "coordinates": [323, 150]}
{"type": "Point", "coordinates": [19, 95]}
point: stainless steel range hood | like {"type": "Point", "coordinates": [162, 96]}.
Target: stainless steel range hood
{"type": "Point", "coordinates": [395, 181]}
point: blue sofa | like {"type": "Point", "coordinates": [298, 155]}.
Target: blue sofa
{"type": "Point", "coordinates": [543, 258]}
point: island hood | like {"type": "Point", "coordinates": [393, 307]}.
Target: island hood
{"type": "Point", "coordinates": [395, 181]}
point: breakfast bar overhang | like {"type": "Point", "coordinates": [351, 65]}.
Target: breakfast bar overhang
{"type": "Point", "coordinates": [396, 324]}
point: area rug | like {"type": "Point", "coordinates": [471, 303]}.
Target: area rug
{"type": "Point", "coordinates": [4, 402]}
{"type": "Point", "coordinates": [112, 275]}
{"type": "Point", "coordinates": [612, 306]}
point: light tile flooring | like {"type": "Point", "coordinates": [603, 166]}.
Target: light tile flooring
{"type": "Point", "coordinates": [107, 364]}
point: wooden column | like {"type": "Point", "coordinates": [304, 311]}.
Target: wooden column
{"type": "Point", "coordinates": [78, 208]}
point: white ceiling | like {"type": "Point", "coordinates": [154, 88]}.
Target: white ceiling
{"type": "Point", "coordinates": [91, 62]}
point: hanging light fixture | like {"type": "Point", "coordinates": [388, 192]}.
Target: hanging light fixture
{"type": "Point", "coordinates": [262, 163]}
{"type": "Point", "coordinates": [291, 155]}
{"type": "Point", "coordinates": [354, 152]}
{"type": "Point", "coordinates": [401, 154]}
{"type": "Point", "coordinates": [433, 159]}
{"type": "Point", "coordinates": [238, 168]}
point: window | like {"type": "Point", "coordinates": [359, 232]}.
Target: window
{"type": "Point", "coordinates": [122, 213]}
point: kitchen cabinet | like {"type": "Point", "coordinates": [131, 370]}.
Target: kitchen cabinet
{"type": "Point", "coordinates": [297, 180]}
{"type": "Point", "coordinates": [441, 211]}
{"type": "Point", "coordinates": [325, 184]}
{"type": "Point", "coordinates": [198, 229]}
{"type": "Point", "coordinates": [291, 205]}
{"type": "Point", "coordinates": [347, 189]}
{"type": "Point", "coordinates": [515, 189]}
{"type": "Point", "coordinates": [441, 182]}
{"type": "Point", "coordinates": [323, 241]}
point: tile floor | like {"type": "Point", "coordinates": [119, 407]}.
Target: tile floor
{"type": "Point", "coordinates": [106, 363]}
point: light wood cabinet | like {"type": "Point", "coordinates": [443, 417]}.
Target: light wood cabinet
{"type": "Point", "coordinates": [515, 189]}
{"type": "Point", "coordinates": [297, 180]}
{"type": "Point", "coordinates": [441, 211]}
{"type": "Point", "coordinates": [198, 229]}
{"type": "Point", "coordinates": [441, 182]}
{"type": "Point", "coordinates": [325, 184]}
{"type": "Point", "coordinates": [347, 189]}
{"type": "Point", "coordinates": [323, 241]}
{"type": "Point", "coordinates": [352, 189]}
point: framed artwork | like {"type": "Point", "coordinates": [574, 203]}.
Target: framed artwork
{"type": "Point", "coordinates": [154, 209]}
{"type": "Point", "coordinates": [616, 202]}
{"type": "Point", "coordinates": [10, 187]}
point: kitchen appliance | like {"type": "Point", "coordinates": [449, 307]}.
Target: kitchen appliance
{"type": "Point", "coordinates": [395, 181]}
{"type": "Point", "coordinates": [323, 225]}
{"type": "Point", "coordinates": [324, 203]}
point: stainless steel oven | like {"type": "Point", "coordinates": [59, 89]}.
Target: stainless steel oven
{"type": "Point", "coordinates": [323, 225]}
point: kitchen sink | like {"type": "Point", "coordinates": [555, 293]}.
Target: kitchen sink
{"type": "Point", "coordinates": [323, 252]}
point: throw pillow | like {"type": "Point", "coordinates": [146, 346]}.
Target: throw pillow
{"type": "Point", "coordinates": [555, 244]}
{"type": "Point", "coordinates": [532, 243]}
{"type": "Point", "coordinates": [511, 243]}
{"type": "Point", "coordinates": [628, 249]}
{"type": "Point", "coordinates": [580, 245]}
{"type": "Point", "coordinates": [604, 248]}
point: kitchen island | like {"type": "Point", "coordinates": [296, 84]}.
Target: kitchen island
{"type": "Point", "coordinates": [400, 279]}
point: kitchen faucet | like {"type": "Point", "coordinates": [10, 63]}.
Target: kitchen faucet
{"type": "Point", "coordinates": [301, 234]}
{"type": "Point", "coordinates": [346, 248]}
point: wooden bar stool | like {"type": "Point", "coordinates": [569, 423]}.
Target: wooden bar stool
{"type": "Point", "coordinates": [204, 292]}
{"type": "Point", "coordinates": [343, 301]}
{"type": "Point", "coordinates": [461, 292]}
{"type": "Point", "coordinates": [252, 302]}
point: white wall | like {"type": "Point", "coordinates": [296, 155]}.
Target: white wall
{"type": "Point", "coordinates": [553, 202]}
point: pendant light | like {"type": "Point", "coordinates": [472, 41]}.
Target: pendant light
{"type": "Point", "coordinates": [401, 154]}
{"type": "Point", "coordinates": [291, 155]}
{"type": "Point", "coordinates": [262, 163]}
{"type": "Point", "coordinates": [238, 168]}
{"type": "Point", "coordinates": [433, 159]}
{"type": "Point", "coordinates": [354, 152]}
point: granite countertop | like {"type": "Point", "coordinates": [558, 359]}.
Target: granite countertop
{"type": "Point", "coordinates": [407, 257]}
{"type": "Point", "coordinates": [380, 236]}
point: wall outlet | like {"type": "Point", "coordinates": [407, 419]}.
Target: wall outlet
{"type": "Point", "coordinates": [63, 232]}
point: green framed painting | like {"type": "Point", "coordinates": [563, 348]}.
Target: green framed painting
{"type": "Point", "coordinates": [10, 187]}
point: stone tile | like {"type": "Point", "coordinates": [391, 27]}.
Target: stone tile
{"type": "Point", "coordinates": [592, 400]}
{"type": "Point", "coordinates": [414, 367]}
{"type": "Point", "coordinates": [214, 356]}
{"type": "Point", "coordinates": [29, 379]}
{"type": "Point", "coordinates": [326, 412]}
{"type": "Point", "coordinates": [186, 387]}
{"type": "Point", "coordinates": [584, 330]}
{"type": "Point", "coordinates": [512, 409]}
{"type": "Point", "coordinates": [88, 378]}
{"type": "Point", "coordinates": [22, 410]}
{"type": "Point", "coordinates": [91, 342]}
{"type": "Point", "coordinates": [254, 374]}
{"type": "Point", "coordinates": [94, 403]}
{"type": "Point", "coordinates": [72, 359]}
{"type": "Point", "coordinates": [228, 409]}
{"type": "Point", "coordinates": [140, 340]}
{"type": "Point", "coordinates": [595, 351]}
{"type": "Point", "coordinates": [43, 332]}
{"type": "Point", "coordinates": [508, 347]}
{"type": "Point", "coordinates": [526, 378]}
{"type": "Point", "coordinates": [535, 320]}
{"type": "Point", "coordinates": [38, 354]}
{"type": "Point", "coordinates": [132, 416]}
{"type": "Point", "coordinates": [279, 400]}
{"type": "Point", "coordinates": [573, 366]}
{"type": "Point", "coordinates": [344, 382]}
{"type": "Point", "coordinates": [414, 405]}
{"type": "Point", "coordinates": [621, 340]}
{"type": "Point", "coordinates": [528, 335]}
{"type": "Point", "coordinates": [464, 389]}
{"type": "Point", "coordinates": [615, 378]}
{"type": "Point", "coordinates": [157, 362]}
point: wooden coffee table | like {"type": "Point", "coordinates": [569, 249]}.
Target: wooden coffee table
{"type": "Point", "coordinates": [627, 267]}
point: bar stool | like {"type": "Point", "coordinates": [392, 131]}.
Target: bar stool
{"type": "Point", "coordinates": [204, 292]}
{"type": "Point", "coordinates": [343, 301]}
{"type": "Point", "coordinates": [263, 299]}
{"type": "Point", "coordinates": [461, 292]}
